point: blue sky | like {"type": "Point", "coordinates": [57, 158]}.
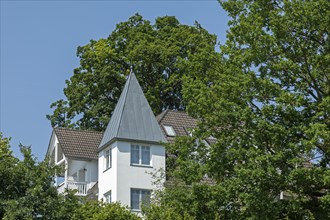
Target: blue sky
{"type": "Point", "coordinates": [38, 52]}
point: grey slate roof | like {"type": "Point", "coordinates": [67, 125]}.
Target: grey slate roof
{"type": "Point", "coordinates": [78, 143]}
{"type": "Point", "coordinates": [132, 118]}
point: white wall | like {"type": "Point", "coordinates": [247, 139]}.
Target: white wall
{"type": "Point", "coordinates": [107, 178]}
{"type": "Point", "coordinates": [51, 148]}
{"type": "Point", "coordinates": [53, 143]}
{"type": "Point", "coordinates": [122, 176]}
{"type": "Point", "coordinates": [91, 173]}
{"type": "Point", "coordinates": [74, 165]}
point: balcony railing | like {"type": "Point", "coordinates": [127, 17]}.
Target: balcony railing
{"type": "Point", "coordinates": [80, 187]}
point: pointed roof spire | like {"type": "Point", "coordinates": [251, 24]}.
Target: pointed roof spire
{"type": "Point", "coordinates": [132, 119]}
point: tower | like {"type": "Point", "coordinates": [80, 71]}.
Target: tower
{"type": "Point", "coordinates": [131, 149]}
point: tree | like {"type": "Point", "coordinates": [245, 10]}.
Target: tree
{"type": "Point", "coordinates": [6, 169]}
{"type": "Point", "coordinates": [187, 193]}
{"type": "Point", "coordinates": [267, 102]}
{"type": "Point", "coordinates": [101, 211]}
{"type": "Point", "coordinates": [160, 54]}
{"type": "Point", "coordinates": [27, 189]}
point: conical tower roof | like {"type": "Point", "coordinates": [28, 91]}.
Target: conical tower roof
{"type": "Point", "coordinates": [132, 119]}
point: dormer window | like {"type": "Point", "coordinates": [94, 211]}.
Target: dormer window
{"type": "Point", "coordinates": [169, 130]}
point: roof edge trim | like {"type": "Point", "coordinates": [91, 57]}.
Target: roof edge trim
{"type": "Point", "coordinates": [129, 140]}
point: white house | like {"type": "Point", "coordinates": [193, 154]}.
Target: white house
{"type": "Point", "coordinates": [130, 150]}
{"type": "Point", "coordinates": [75, 151]}
{"type": "Point", "coordinates": [117, 165]}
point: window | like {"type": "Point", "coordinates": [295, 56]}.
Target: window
{"type": "Point", "coordinates": [107, 197]}
{"type": "Point", "coordinates": [169, 130]}
{"type": "Point", "coordinates": [140, 155]}
{"type": "Point", "coordinates": [107, 159]}
{"type": "Point", "coordinates": [139, 197]}
{"type": "Point", "coordinates": [135, 154]}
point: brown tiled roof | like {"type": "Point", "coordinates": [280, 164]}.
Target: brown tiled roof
{"type": "Point", "coordinates": [179, 120]}
{"type": "Point", "coordinates": [84, 144]}
{"type": "Point", "coordinates": [78, 143]}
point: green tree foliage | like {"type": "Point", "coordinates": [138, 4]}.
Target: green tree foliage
{"type": "Point", "coordinates": [179, 200]}
{"type": "Point", "coordinates": [27, 190]}
{"type": "Point", "coordinates": [267, 102]}
{"type": "Point", "coordinates": [95, 210]}
{"type": "Point", "coordinates": [188, 192]}
{"type": "Point", "coordinates": [7, 181]}
{"type": "Point", "coordinates": [160, 54]}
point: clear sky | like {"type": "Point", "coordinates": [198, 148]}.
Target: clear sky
{"type": "Point", "coordinates": [38, 52]}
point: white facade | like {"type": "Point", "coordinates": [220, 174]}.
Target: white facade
{"type": "Point", "coordinates": [123, 175]}
{"type": "Point", "coordinates": [134, 136]}
{"type": "Point", "coordinates": [79, 174]}
{"type": "Point", "coordinates": [123, 161]}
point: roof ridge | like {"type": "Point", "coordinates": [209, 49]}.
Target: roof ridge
{"type": "Point", "coordinates": [122, 110]}
{"type": "Point", "coordinates": [163, 115]}
{"type": "Point", "coordinates": [77, 129]}
{"type": "Point", "coordinates": [175, 110]}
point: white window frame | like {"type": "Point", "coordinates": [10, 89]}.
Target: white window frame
{"type": "Point", "coordinates": [107, 197]}
{"type": "Point", "coordinates": [140, 152]}
{"type": "Point", "coordinates": [140, 193]}
{"type": "Point", "coordinates": [169, 130]}
{"type": "Point", "coordinates": [107, 158]}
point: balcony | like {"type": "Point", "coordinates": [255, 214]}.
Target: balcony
{"type": "Point", "coordinates": [81, 188]}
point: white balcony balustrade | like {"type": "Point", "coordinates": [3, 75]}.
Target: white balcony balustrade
{"type": "Point", "coordinates": [80, 187]}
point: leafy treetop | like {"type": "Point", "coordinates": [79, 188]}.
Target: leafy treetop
{"type": "Point", "coordinates": [267, 102]}
{"type": "Point", "coordinates": [160, 54]}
